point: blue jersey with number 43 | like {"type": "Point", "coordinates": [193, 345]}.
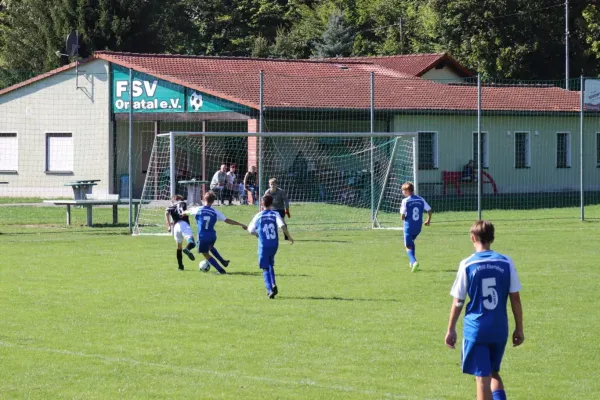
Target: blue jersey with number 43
{"type": "Point", "coordinates": [412, 208]}
{"type": "Point", "coordinates": [266, 224]}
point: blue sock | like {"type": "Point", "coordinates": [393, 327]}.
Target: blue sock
{"type": "Point", "coordinates": [216, 254]}
{"type": "Point", "coordinates": [215, 264]}
{"type": "Point", "coordinates": [499, 395]}
{"type": "Point", "coordinates": [267, 278]}
{"type": "Point", "coordinates": [272, 275]}
{"type": "Point", "coordinates": [411, 256]}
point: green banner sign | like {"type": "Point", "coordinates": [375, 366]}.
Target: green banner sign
{"type": "Point", "coordinates": [150, 95]}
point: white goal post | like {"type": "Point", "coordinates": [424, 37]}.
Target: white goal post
{"type": "Point", "coordinates": [333, 180]}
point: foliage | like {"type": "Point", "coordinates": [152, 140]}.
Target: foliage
{"type": "Point", "coordinates": [338, 38]}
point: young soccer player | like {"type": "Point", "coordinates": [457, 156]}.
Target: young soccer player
{"type": "Point", "coordinates": [206, 218]}
{"type": "Point", "coordinates": [281, 204]}
{"type": "Point", "coordinates": [412, 209]}
{"type": "Point", "coordinates": [489, 278]}
{"type": "Point", "coordinates": [179, 224]}
{"type": "Point", "coordinates": [264, 226]}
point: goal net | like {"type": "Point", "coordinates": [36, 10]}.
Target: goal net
{"type": "Point", "coordinates": [332, 180]}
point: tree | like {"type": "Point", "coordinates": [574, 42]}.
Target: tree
{"type": "Point", "coordinates": [338, 38]}
{"type": "Point", "coordinates": [260, 49]}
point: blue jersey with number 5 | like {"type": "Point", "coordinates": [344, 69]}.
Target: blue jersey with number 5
{"type": "Point", "coordinates": [266, 224]}
{"type": "Point", "coordinates": [487, 278]}
{"type": "Point", "coordinates": [412, 208]}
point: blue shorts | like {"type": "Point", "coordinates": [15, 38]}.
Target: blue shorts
{"type": "Point", "coordinates": [409, 240]}
{"type": "Point", "coordinates": [481, 359]}
{"type": "Point", "coordinates": [266, 258]}
{"type": "Point", "coordinates": [204, 245]}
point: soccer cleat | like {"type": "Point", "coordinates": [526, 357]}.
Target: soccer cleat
{"type": "Point", "coordinates": [181, 267]}
{"type": "Point", "coordinates": [189, 254]}
{"type": "Point", "coordinates": [415, 266]}
{"type": "Point", "coordinates": [225, 263]}
{"type": "Point", "coordinates": [275, 291]}
{"type": "Point", "coordinates": [221, 273]}
{"type": "Point", "coordinates": [271, 295]}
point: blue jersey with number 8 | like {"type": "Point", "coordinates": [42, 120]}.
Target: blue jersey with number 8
{"type": "Point", "coordinates": [412, 208]}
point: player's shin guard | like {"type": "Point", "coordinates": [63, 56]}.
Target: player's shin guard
{"type": "Point", "coordinates": [267, 278]}
{"type": "Point", "coordinates": [411, 255]}
{"type": "Point", "coordinates": [215, 264]}
{"type": "Point", "coordinates": [499, 395]}
{"type": "Point", "coordinates": [216, 254]}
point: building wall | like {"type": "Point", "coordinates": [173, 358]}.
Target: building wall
{"type": "Point", "coordinates": [55, 105]}
{"type": "Point", "coordinates": [455, 148]}
{"type": "Point", "coordinates": [443, 75]}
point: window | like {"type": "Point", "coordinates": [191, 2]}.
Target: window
{"type": "Point", "coordinates": [484, 149]}
{"type": "Point", "coordinates": [522, 150]}
{"type": "Point", "coordinates": [598, 149]}
{"type": "Point", "coordinates": [59, 152]}
{"type": "Point", "coordinates": [9, 152]}
{"type": "Point", "coordinates": [563, 150]}
{"type": "Point", "coordinates": [427, 150]}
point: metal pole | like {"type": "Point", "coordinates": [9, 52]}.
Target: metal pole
{"type": "Point", "coordinates": [479, 166]}
{"type": "Point", "coordinates": [130, 167]}
{"type": "Point", "coordinates": [581, 115]}
{"type": "Point", "coordinates": [415, 150]}
{"type": "Point", "coordinates": [567, 44]}
{"type": "Point", "coordinates": [260, 129]}
{"type": "Point", "coordinates": [172, 172]}
{"type": "Point", "coordinates": [372, 155]}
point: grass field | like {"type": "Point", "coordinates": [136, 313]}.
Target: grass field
{"type": "Point", "coordinates": [93, 313]}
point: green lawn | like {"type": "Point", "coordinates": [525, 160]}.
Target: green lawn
{"type": "Point", "coordinates": [93, 313]}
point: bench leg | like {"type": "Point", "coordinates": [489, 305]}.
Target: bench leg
{"type": "Point", "coordinates": [89, 215]}
{"type": "Point", "coordinates": [68, 214]}
{"type": "Point", "coordinates": [115, 214]}
{"type": "Point", "coordinates": [135, 212]}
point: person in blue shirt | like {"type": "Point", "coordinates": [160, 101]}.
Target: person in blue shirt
{"type": "Point", "coordinates": [412, 209]}
{"type": "Point", "coordinates": [489, 279]}
{"type": "Point", "coordinates": [206, 218]}
{"type": "Point", "coordinates": [264, 226]}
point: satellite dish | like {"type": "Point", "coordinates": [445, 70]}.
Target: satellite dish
{"type": "Point", "coordinates": [72, 46]}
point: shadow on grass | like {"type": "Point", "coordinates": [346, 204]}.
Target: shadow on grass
{"type": "Point", "coordinates": [259, 273]}
{"type": "Point", "coordinates": [336, 298]}
{"type": "Point", "coordinates": [322, 241]}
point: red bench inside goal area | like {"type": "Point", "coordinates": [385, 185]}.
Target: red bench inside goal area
{"type": "Point", "coordinates": [455, 178]}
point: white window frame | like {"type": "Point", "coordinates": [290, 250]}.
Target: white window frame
{"type": "Point", "coordinates": [16, 166]}
{"type": "Point", "coordinates": [434, 149]}
{"type": "Point", "coordinates": [568, 150]}
{"type": "Point", "coordinates": [528, 149]}
{"type": "Point", "coordinates": [486, 147]}
{"type": "Point", "coordinates": [47, 136]}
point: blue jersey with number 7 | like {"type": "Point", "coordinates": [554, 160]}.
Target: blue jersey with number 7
{"type": "Point", "coordinates": [412, 208]}
{"type": "Point", "coordinates": [266, 224]}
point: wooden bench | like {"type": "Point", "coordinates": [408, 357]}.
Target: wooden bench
{"type": "Point", "coordinates": [456, 178]}
{"type": "Point", "coordinates": [90, 203]}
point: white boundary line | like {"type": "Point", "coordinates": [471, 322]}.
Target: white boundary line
{"type": "Point", "coordinates": [121, 360]}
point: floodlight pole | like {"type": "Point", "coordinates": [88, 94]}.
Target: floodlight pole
{"type": "Point", "coordinates": [567, 44]}
{"type": "Point", "coordinates": [260, 130]}
{"type": "Point", "coordinates": [372, 144]}
{"type": "Point", "coordinates": [581, 115]}
{"type": "Point", "coordinates": [130, 167]}
{"type": "Point", "coordinates": [479, 149]}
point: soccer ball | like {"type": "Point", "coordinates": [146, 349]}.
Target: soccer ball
{"type": "Point", "coordinates": [204, 266]}
{"type": "Point", "coordinates": [196, 101]}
